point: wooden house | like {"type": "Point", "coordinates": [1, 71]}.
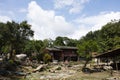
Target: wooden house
{"type": "Point", "coordinates": [63, 53]}
{"type": "Point", "coordinates": [113, 55]}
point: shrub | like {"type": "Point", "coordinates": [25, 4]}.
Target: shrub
{"type": "Point", "coordinates": [47, 58]}
{"type": "Point", "coordinates": [11, 62]}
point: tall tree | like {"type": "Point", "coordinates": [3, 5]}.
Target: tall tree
{"type": "Point", "coordinates": [107, 38]}
{"type": "Point", "coordinates": [34, 49]}
{"type": "Point", "coordinates": [59, 41]}
{"type": "Point", "coordinates": [86, 48]}
{"type": "Point", "coordinates": [15, 35]}
{"type": "Point", "coordinates": [48, 43]}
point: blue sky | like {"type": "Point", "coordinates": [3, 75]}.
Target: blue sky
{"type": "Point", "coordinates": [52, 18]}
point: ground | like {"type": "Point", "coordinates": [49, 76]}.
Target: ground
{"type": "Point", "coordinates": [70, 71]}
{"type": "Point", "coordinates": [63, 71]}
{"type": "Point", "coordinates": [75, 76]}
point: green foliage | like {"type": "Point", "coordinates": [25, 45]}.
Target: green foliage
{"type": "Point", "coordinates": [39, 56]}
{"type": "Point", "coordinates": [59, 41]}
{"type": "Point", "coordinates": [5, 49]}
{"type": "Point", "coordinates": [35, 49]}
{"type": "Point", "coordinates": [86, 48]}
{"type": "Point", "coordinates": [110, 34]}
{"type": "Point", "coordinates": [69, 42]}
{"type": "Point", "coordinates": [47, 58]}
{"type": "Point", "coordinates": [48, 43]}
{"type": "Point", "coordinates": [107, 38]}
{"type": "Point", "coordinates": [11, 62]}
{"type": "Point", "coordinates": [64, 41]}
{"type": "Point", "coordinates": [14, 35]}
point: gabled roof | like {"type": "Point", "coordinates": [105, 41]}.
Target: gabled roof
{"type": "Point", "coordinates": [61, 48]}
{"type": "Point", "coordinates": [53, 49]}
{"type": "Point", "coordinates": [66, 47]}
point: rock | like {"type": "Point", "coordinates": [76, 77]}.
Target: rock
{"type": "Point", "coordinates": [112, 78]}
{"type": "Point", "coordinates": [5, 73]}
{"type": "Point", "coordinates": [107, 67]}
{"type": "Point", "coordinates": [38, 68]}
{"type": "Point", "coordinates": [21, 56]}
{"type": "Point", "coordinates": [86, 70]}
{"type": "Point", "coordinates": [4, 78]}
{"type": "Point", "coordinates": [20, 73]}
{"type": "Point", "coordinates": [52, 71]}
{"type": "Point", "coordinates": [55, 61]}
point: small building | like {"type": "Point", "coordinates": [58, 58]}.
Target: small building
{"type": "Point", "coordinates": [111, 56]}
{"type": "Point", "coordinates": [63, 53]}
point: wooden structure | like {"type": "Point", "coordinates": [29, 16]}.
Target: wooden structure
{"type": "Point", "coordinates": [63, 53]}
{"type": "Point", "coordinates": [113, 55]}
{"type": "Point", "coordinates": [110, 54]}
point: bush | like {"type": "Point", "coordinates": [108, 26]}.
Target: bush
{"type": "Point", "coordinates": [11, 65]}
{"type": "Point", "coordinates": [11, 62]}
{"type": "Point", "coordinates": [47, 58]}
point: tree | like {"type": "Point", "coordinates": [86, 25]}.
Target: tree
{"type": "Point", "coordinates": [59, 41]}
{"type": "Point", "coordinates": [2, 36]}
{"type": "Point", "coordinates": [14, 36]}
{"type": "Point", "coordinates": [47, 58]}
{"type": "Point", "coordinates": [107, 38]}
{"type": "Point", "coordinates": [69, 42]}
{"type": "Point", "coordinates": [110, 34]}
{"type": "Point", "coordinates": [34, 49]}
{"type": "Point", "coordinates": [85, 49]}
{"type": "Point", "coordinates": [65, 41]}
{"type": "Point", "coordinates": [48, 43]}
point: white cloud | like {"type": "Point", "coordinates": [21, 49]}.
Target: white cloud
{"type": "Point", "coordinates": [46, 24]}
{"type": "Point", "coordinates": [80, 31]}
{"type": "Point", "coordinates": [75, 6]}
{"type": "Point", "coordinates": [93, 23]}
{"type": "Point", "coordinates": [4, 19]}
{"type": "Point", "coordinates": [62, 3]}
{"type": "Point", "coordinates": [96, 22]}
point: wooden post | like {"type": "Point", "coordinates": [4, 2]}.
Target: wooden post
{"type": "Point", "coordinates": [116, 65]}
{"type": "Point", "coordinates": [78, 58]}
{"type": "Point", "coordinates": [97, 62]}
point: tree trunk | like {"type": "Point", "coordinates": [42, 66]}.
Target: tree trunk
{"type": "Point", "coordinates": [12, 54]}
{"type": "Point", "coordinates": [86, 62]}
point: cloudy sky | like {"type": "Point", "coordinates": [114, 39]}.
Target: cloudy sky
{"type": "Point", "coordinates": [52, 18]}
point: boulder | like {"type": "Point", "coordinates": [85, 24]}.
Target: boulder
{"type": "Point", "coordinates": [21, 56]}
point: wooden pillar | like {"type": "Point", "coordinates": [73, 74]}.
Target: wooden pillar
{"type": "Point", "coordinates": [70, 58]}
{"type": "Point", "coordinates": [77, 58]}
{"type": "Point", "coordinates": [62, 55]}
{"type": "Point", "coordinates": [52, 55]}
{"type": "Point", "coordinates": [97, 62]}
{"type": "Point", "coordinates": [116, 65]}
